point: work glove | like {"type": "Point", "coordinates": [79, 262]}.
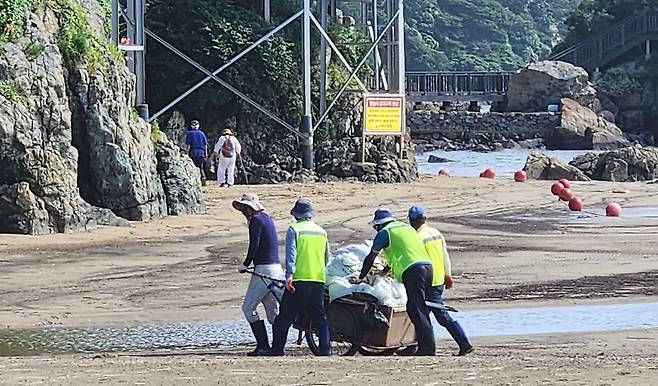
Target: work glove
{"type": "Point", "coordinates": [290, 286]}
{"type": "Point", "coordinates": [242, 268]}
{"type": "Point", "coordinates": [448, 282]}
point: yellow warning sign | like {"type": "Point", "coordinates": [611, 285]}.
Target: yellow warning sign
{"type": "Point", "coordinates": [383, 115]}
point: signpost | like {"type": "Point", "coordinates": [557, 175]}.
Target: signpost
{"type": "Point", "coordinates": [383, 115]}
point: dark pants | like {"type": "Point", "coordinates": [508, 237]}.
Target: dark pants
{"type": "Point", "coordinates": [200, 162]}
{"type": "Point", "coordinates": [308, 297]}
{"type": "Point", "coordinates": [435, 295]}
{"type": "Point", "coordinates": [417, 281]}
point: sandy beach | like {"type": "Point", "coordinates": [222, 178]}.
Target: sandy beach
{"type": "Point", "coordinates": [511, 245]}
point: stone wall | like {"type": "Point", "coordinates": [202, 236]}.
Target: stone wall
{"type": "Point", "coordinates": [464, 124]}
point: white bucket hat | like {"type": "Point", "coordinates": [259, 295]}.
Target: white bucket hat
{"type": "Point", "coordinates": [250, 200]}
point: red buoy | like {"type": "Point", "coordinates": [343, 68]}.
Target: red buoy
{"type": "Point", "coordinates": [445, 172]}
{"type": "Point", "coordinates": [556, 188]}
{"type": "Point", "coordinates": [566, 183]}
{"type": "Point", "coordinates": [520, 176]}
{"type": "Point", "coordinates": [489, 173]}
{"type": "Point", "coordinates": [576, 204]}
{"type": "Point", "coordinates": [565, 194]}
{"type": "Point", "coordinates": [613, 210]}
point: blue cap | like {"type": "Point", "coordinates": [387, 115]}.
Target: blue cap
{"type": "Point", "coordinates": [416, 212]}
{"type": "Point", "coordinates": [382, 216]}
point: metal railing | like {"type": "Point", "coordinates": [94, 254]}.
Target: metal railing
{"type": "Point", "coordinates": [457, 83]}
{"type": "Point", "coordinates": [609, 44]}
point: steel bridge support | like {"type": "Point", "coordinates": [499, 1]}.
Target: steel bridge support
{"type": "Point", "coordinates": [389, 72]}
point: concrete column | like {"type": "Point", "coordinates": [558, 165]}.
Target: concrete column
{"type": "Point", "coordinates": [647, 50]}
{"type": "Point", "coordinates": [266, 10]}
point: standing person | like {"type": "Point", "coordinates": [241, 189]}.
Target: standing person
{"type": "Point", "coordinates": [436, 248]}
{"type": "Point", "coordinates": [228, 149]}
{"type": "Point", "coordinates": [264, 254]}
{"type": "Point", "coordinates": [410, 265]}
{"type": "Point", "coordinates": [197, 148]}
{"type": "Point", "coordinates": [307, 252]}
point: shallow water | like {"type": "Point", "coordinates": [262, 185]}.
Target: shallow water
{"type": "Point", "coordinates": [471, 163]}
{"type": "Point", "coordinates": [226, 334]}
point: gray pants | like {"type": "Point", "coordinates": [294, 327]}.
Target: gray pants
{"type": "Point", "coordinates": [257, 292]}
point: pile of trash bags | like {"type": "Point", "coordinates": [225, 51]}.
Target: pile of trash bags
{"type": "Point", "coordinates": [346, 262]}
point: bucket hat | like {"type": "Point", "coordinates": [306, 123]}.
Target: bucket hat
{"type": "Point", "coordinates": [382, 216]}
{"type": "Point", "coordinates": [303, 208]}
{"type": "Point", "coordinates": [248, 199]}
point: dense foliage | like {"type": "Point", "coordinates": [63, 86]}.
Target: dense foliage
{"type": "Point", "coordinates": [212, 32]}
{"type": "Point", "coordinates": [593, 16]}
{"type": "Point", "coordinates": [482, 34]}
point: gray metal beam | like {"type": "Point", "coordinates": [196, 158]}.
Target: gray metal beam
{"type": "Point", "coordinates": [266, 10]}
{"type": "Point", "coordinates": [228, 64]}
{"type": "Point", "coordinates": [223, 83]}
{"type": "Point", "coordinates": [140, 71]}
{"type": "Point", "coordinates": [307, 118]}
{"type": "Point", "coordinates": [353, 74]}
{"type": "Point", "coordinates": [114, 21]}
{"type": "Point", "coordinates": [327, 39]}
{"type": "Point", "coordinates": [323, 56]}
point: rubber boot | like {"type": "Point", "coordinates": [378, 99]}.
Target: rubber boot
{"type": "Point", "coordinates": [458, 334]}
{"type": "Point", "coordinates": [262, 343]}
{"type": "Point", "coordinates": [279, 337]}
{"type": "Point", "coordinates": [325, 340]}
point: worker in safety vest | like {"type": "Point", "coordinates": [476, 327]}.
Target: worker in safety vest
{"type": "Point", "coordinates": [436, 248]}
{"type": "Point", "coordinates": [410, 265]}
{"type": "Point", "coordinates": [307, 252]}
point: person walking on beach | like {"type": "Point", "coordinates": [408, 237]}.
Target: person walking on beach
{"type": "Point", "coordinates": [264, 254]}
{"type": "Point", "coordinates": [307, 252]}
{"type": "Point", "coordinates": [228, 149]}
{"type": "Point", "coordinates": [435, 246]}
{"type": "Point", "coordinates": [197, 148]}
{"type": "Point", "coordinates": [410, 265]}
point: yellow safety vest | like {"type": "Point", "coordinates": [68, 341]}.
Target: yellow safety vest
{"type": "Point", "coordinates": [404, 248]}
{"type": "Point", "coordinates": [311, 243]}
{"type": "Point", "coordinates": [435, 246]}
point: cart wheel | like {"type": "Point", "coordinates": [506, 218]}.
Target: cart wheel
{"type": "Point", "coordinates": [372, 352]}
{"type": "Point", "coordinates": [343, 330]}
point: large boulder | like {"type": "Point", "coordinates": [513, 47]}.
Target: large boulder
{"type": "Point", "coordinates": [542, 83]}
{"type": "Point", "coordinates": [72, 152]}
{"type": "Point", "coordinates": [539, 166]}
{"type": "Point", "coordinates": [180, 178]}
{"type": "Point", "coordinates": [581, 128]}
{"type": "Point", "coordinates": [634, 163]}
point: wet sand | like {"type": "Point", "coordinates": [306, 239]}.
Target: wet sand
{"type": "Point", "coordinates": [511, 244]}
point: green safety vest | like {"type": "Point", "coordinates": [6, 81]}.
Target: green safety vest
{"type": "Point", "coordinates": [311, 250]}
{"type": "Point", "coordinates": [404, 248]}
{"type": "Point", "coordinates": [434, 246]}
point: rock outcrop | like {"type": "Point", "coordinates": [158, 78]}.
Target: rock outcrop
{"type": "Point", "coordinates": [72, 153]}
{"type": "Point", "coordinates": [542, 83]}
{"type": "Point", "coordinates": [582, 128]}
{"type": "Point", "coordinates": [633, 163]}
{"type": "Point", "coordinates": [539, 166]}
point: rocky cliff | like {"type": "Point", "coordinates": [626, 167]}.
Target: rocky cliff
{"type": "Point", "coordinates": [72, 151]}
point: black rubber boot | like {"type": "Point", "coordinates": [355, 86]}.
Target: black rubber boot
{"type": "Point", "coordinates": [279, 337]}
{"type": "Point", "coordinates": [458, 334]}
{"type": "Point", "coordinates": [262, 343]}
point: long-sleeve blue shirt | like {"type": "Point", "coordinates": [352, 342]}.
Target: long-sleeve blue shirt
{"type": "Point", "coordinates": [263, 241]}
{"type": "Point", "coordinates": [291, 251]}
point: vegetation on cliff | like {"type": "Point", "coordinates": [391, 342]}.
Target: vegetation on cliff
{"type": "Point", "coordinates": [482, 34]}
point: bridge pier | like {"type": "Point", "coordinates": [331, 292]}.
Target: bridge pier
{"type": "Point", "coordinates": [647, 50]}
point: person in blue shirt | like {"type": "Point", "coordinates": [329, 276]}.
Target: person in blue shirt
{"type": "Point", "coordinates": [198, 148]}
{"type": "Point", "coordinates": [263, 253]}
